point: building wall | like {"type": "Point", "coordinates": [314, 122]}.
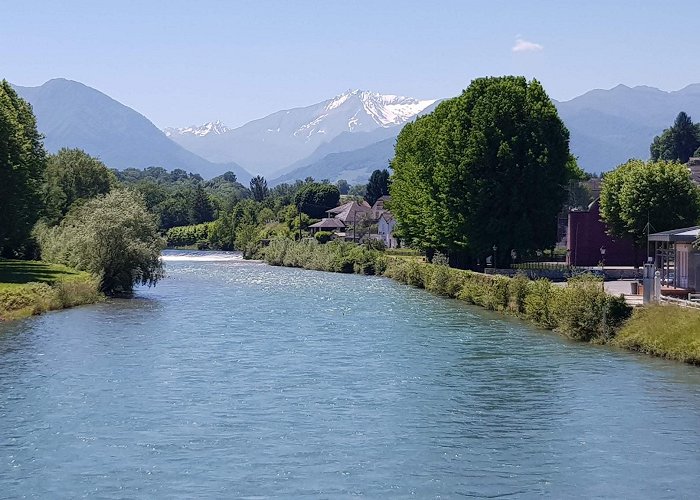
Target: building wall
{"type": "Point", "coordinates": [585, 236]}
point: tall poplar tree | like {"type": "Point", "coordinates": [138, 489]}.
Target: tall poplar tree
{"type": "Point", "coordinates": [488, 168]}
{"type": "Point", "coordinates": [22, 164]}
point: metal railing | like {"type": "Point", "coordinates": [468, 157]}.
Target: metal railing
{"type": "Point", "coordinates": [681, 302]}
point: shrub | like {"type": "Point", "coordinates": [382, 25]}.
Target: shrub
{"type": "Point", "coordinates": [323, 236]}
{"type": "Point", "coordinates": [578, 308]}
{"type": "Point", "coordinates": [113, 237]}
{"type": "Point", "coordinates": [538, 303]}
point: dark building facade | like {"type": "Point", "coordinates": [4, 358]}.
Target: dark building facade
{"type": "Point", "coordinates": [586, 236]}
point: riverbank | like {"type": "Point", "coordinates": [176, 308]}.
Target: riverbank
{"type": "Point", "coordinates": [34, 287]}
{"type": "Point", "coordinates": [580, 310]}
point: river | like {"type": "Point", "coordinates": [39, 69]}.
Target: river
{"type": "Point", "coordinates": [237, 379]}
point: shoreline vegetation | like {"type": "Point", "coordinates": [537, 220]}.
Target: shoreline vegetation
{"type": "Point", "coordinates": [581, 310]}
{"type": "Point", "coordinates": [33, 287]}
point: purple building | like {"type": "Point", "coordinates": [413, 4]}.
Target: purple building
{"type": "Point", "coordinates": [586, 237]}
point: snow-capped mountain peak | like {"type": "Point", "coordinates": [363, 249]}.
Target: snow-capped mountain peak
{"type": "Point", "coordinates": [214, 128]}
{"type": "Point", "coordinates": [385, 109]}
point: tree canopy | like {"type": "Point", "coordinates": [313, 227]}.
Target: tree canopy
{"type": "Point", "coordinates": [22, 164]}
{"type": "Point", "coordinates": [377, 186]}
{"type": "Point", "coordinates": [660, 193]}
{"type": "Point", "coordinates": [678, 142]}
{"type": "Point", "coordinates": [258, 188]}
{"type": "Point", "coordinates": [73, 176]}
{"type": "Point", "coordinates": [112, 236]}
{"type": "Point", "coordinates": [487, 168]}
{"type": "Point", "coordinates": [315, 198]}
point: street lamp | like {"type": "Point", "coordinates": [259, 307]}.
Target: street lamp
{"type": "Point", "coordinates": [494, 256]}
{"type": "Point", "coordinates": [602, 264]}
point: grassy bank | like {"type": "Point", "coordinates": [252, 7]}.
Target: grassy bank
{"type": "Point", "coordinates": [31, 287]}
{"type": "Point", "coordinates": [580, 310]}
{"type": "Point", "coordinates": [668, 331]}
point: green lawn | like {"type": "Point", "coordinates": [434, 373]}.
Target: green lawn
{"type": "Point", "coordinates": [15, 272]}
{"type": "Point", "coordinates": [668, 331]}
{"type": "Point", "coordinates": [32, 287]}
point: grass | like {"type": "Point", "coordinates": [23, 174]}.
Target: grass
{"type": "Point", "coordinates": [33, 287]}
{"type": "Point", "coordinates": [667, 331]}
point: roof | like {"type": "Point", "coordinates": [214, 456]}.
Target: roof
{"type": "Point", "coordinates": [331, 223]}
{"type": "Point", "coordinates": [684, 235]}
{"type": "Point", "coordinates": [351, 210]}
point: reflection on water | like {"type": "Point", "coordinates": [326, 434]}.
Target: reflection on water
{"type": "Point", "coordinates": [233, 379]}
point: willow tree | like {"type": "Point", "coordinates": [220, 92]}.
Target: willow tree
{"type": "Point", "coordinates": [22, 164]}
{"type": "Point", "coordinates": [488, 168]}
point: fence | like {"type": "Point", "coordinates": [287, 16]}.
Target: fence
{"type": "Point", "coordinates": [695, 304]}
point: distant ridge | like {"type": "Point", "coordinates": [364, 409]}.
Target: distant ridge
{"type": "Point", "coordinates": [71, 114]}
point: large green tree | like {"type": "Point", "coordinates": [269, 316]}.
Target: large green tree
{"type": "Point", "coordinates": [258, 188]}
{"type": "Point", "coordinates": [487, 168]}
{"type": "Point", "coordinates": [677, 143]}
{"type": "Point", "coordinates": [659, 193]}
{"type": "Point", "coordinates": [315, 198]}
{"type": "Point", "coordinates": [73, 176]}
{"type": "Point", "coordinates": [377, 186]}
{"type": "Point", "coordinates": [22, 164]}
{"type": "Point", "coordinates": [113, 237]}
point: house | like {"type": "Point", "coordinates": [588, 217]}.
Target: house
{"type": "Point", "coordinates": [676, 258]}
{"type": "Point", "coordinates": [694, 167]}
{"type": "Point", "coordinates": [356, 221]}
{"type": "Point", "coordinates": [587, 242]}
{"type": "Point", "coordinates": [385, 229]}
{"type": "Point", "coordinates": [329, 224]}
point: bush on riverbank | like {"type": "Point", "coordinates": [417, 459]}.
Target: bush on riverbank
{"type": "Point", "coordinates": [581, 310]}
{"type": "Point", "coordinates": [31, 287]}
{"type": "Point", "coordinates": [667, 331]}
{"type": "Point", "coordinates": [184, 236]}
{"type": "Point", "coordinates": [334, 256]}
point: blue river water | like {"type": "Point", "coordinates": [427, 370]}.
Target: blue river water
{"type": "Point", "coordinates": [234, 379]}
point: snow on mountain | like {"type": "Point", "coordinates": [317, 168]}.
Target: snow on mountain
{"type": "Point", "coordinates": [215, 128]}
{"type": "Point", "coordinates": [276, 141]}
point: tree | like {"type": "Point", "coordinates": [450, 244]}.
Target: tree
{"type": "Point", "coordinates": [73, 176]}
{"type": "Point", "coordinates": [113, 237]}
{"type": "Point", "coordinates": [343, 186]}
{"type": "Point", "coordinates": [377, 186]}
{"type": "Point", "coordinates": [22, 164]}
{"type": "Point", "coordinates": [315, 199]}
{"type": "Point", "coordinates": [202, 209]}
{"type": "Point", "coordinates": [659, 193]}
{"type": "Point", "coordinates": [359, 190]}
{"type": "Point", "coordinates": [488, 168]}
{"type": "Point", "coordinates": [677, 143]}
{"type": "Point", "coordinates": [258, 188]}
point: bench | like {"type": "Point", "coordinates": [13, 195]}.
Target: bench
{"type": "Point", "coordinates": [694, 297]}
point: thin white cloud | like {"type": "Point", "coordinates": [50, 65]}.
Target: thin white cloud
{"type": "Point", "coordinates": [522, 45]}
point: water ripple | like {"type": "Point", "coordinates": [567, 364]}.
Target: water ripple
{"type": "Point", "coordinates": [236, 379]}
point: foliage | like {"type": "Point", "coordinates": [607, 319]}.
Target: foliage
{"type": "Point", "coordinates": [677, 143]}
{"type": "Point", "coordinates": [258, 188]}
{"type": "Point", "coordinates": [377, 186]}
{"type": "Point", "coordinates": [668, 331]}
{"type": "Point", "coordinates": [343, 186]}
{"type": "Point", "coordinates": [323, 236]}
{"type": "Point", "coordinates": [112, 237]}
{"type": "Point", "coordinates": [182, 236]}
{"type": "Point", "coordinates": [73, 176]}
{"type": "Point", "coordinates": [660, 193]}
{"type": "Point", "coordinates": [358, 190]}
{"type": "Point", "coordinates": [488, 167]}
{"type": "Point", "coordinates": [202, 209]}
{"type": "Point", "coordinates": [335, 256]}
{"type": "Point", "coordinates": [315, 199]}
{"type": "Point", "coordinates": [22, 165]}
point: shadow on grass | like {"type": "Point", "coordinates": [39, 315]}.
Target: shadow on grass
{"type": "Point", "coordinates": [17, 271]}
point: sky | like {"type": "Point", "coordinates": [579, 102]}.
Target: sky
{"type": "Point", "coordinates": [183, 63]}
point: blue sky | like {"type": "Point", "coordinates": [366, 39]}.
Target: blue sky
{"type": "Point", "coordinates": [188, 62]}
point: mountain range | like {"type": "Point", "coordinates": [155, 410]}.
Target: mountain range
{"type": "Point", "coordinates": [270, 144]}
{"type": "Point", "coordinates": [70, 114]}
{"type": "Point", "coordinates": [346, 136]}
